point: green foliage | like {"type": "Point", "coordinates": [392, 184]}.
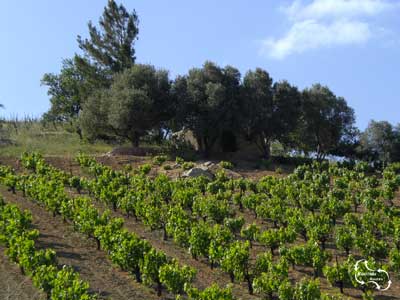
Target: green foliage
{"type": "Point", "coordinates": [309, 254]}
{"type": "Point", "coordinates": [110, 48]}
{"type": "Point", "coordinates": [285, 291]}
{"type": "Point", "coordinates": [124, 249]}
{"type": "Point", "coordinates": [208, 102]}
{"type": "Point", "coordinates": [236, 260]}
{"type": "Point", "coordinates": [327, 120]}
{"type": "Point", "coordinates": [380, 141]}
{"type": "Point", "coordinates": [68, 285]}
{"type": "Point", "coordinates": [270, 238]}
{"type": "Point", "coordinates": [338, 274]}
{"type": "Point", "coordinates": [175, 278]}
{"type": "Point", "coordinates": [250, 233]}
{"type": "Point", "coordinates": [64, 284]}
{"type": "Point", "coordinates": [269, 111]}
{"type": "Point", "coordinates": [212, 207]}
{"type": "Point", "coordinates": [307, 289]}
{"type": "Point", "coordinates": [234, 224]}
{"type": "Point", "coordinates": [44, 278]}
{"type": "Point", "coordinates": [197, 214]}
{"type": "Point", "coordinates": [103, 94]}
{"type": "Point", "coordinates": [319, 228]}
{"type": "Point", "coordinates": [145, 169]}
{"type": "Point", "coordinates": [179, 160]}
{"type": "Point", "coordinates": [214, 292]}
{"type": "Point", "coordinates": [345, 238]}
{"type": "Point", "coordinates": [159, 159]}
{"type": "Point", "coordinates": [272, 278]}
{"type": "Point", "coordinates": [266, 284]}
{"type": "Point", "coordinates": [226, 164]}
{"type": "Point", "coordinates": [76, 183]}
{"type": "Point", "coordinates": [150, 266]}
{"type": "Point", "coordinates": [187, 165]}
{"type": "Point", "coordinates": [221, 238]}
{"type": "Point", "coordinates": [67, 91]}
{"type": "Point", "coordinates": [394, 260]}
{"type": "Point", "coordinates": [371, 246]}
{"type": "Point", "coordinates": [199, 240]}
{"type": "Point", "coordinates": [137, 101]}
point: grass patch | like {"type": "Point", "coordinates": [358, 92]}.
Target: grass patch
{"type": "Point", "coordinates": [48, 141]}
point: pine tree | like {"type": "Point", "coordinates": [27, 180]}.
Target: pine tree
{"type": "Point", "coordinates": [107, 51]}
{"type": "Point", "coordinates": [110, 48]}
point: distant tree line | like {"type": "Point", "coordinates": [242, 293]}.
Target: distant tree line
{"type": "Point", "coordinates": [106, 95]}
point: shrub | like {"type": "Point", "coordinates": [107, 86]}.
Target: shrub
{"type": "Point", "coordinates": [167, 167]}
{"type": "Point", "coordinates": [179, 160]}
{"type": "Point", "coordinates": [128, 168]}
{"type": "Point", "coordinates": [187, 165]}
{"type": "Point", "coordinates": [159, 159]}
{"type": "Point", "coordinates": [226, 164]}
{"type": "Point", "coordinates": [145, 169]}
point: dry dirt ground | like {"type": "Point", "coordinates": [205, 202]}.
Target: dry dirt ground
{"type": "Point", "coordinates": [14, 285]}
{"type": "Point", "coordinates": [74, 249]}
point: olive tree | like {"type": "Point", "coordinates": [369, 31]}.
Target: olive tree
{"type": "Point", "coordinates": [326, 121]}
{"type": "Point", "coordinates": [268, 111]}
{"type": "Point", "coordinates": [137, 101]}
{"type": "Point", "coordinates": [208, 99]}
{"type": "Point", "coordinates": [381, 141]}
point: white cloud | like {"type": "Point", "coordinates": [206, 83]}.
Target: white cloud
{"type": "Point", "coordinates": [310, 34]}
{"type": "Point", "coordinates": [322, 9]}
{"type": "Point", "coordinates": [326, 23]}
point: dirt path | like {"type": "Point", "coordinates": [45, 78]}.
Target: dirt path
{"type": "Point", "coordinates": [205, 276]}
{"type": "Point", "coordinates": [14, 285]}
{"type": "Point", "coordinates": [75, 250]}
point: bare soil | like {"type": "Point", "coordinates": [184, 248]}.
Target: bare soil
{"type": "Point", "coordinates": [75, 250]}
{"type": "Point", "coordinates": [14, 285]}
{"type": "Point", "coordinates": [79, 252]}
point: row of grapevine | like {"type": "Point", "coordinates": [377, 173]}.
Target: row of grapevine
{"type": "Point", "coordinates": [41, 265]}
{"type": "Point", "coordinates": [199, 214]}
{"type": "Point", "coordinates": [125, 249]}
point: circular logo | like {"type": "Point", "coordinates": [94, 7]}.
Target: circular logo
{"type": "Point", "coordinates": [365, 275]}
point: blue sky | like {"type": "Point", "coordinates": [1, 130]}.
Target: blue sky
{"type": "Point", "coordinates": [352, 46]}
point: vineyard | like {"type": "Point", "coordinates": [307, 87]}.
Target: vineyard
{"type": "Point", "coordinates": [288, 237]}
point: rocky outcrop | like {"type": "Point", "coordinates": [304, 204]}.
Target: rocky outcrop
{"type": "Point", "coordinates": [197, 172]}
{"type": "Point", "coordinates": [209, 169]}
